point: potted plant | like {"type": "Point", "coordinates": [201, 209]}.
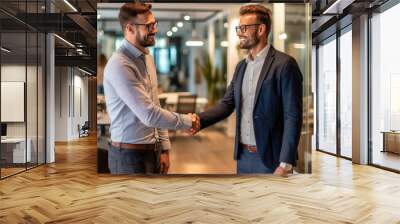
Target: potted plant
{"type": "Point", "coordinates": [215, 80]}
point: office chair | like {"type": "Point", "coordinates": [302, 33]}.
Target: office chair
{"type": "Point", "coordinates": [84, 130]}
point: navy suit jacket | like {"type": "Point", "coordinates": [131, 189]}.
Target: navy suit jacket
{"type": "Point", "coordinates": [278, 110]}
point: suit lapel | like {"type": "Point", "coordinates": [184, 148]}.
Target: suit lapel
{"type": "Point", "coordinates": [238, 85]}
{"type": "Point", "coordinates": [264, 71]}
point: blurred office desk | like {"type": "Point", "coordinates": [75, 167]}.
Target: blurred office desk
{"type": "Point", "coordinates": [103, 121]}
{"type": "Point", "coordinates": [171, 100]}
{"type": "Point", "coordinates": [13, 150]}
{"type": "Point", "coordinates": [391, 141]}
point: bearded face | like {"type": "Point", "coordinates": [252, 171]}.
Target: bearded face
{"type": "Point", "coordinates": [145, 29]}
{"type": "Point", "coordinates": [248, 31]}
{"type": "Point", "coordinates": [146, 39]}
{"type": "Point", "coordinates": [249, 39]}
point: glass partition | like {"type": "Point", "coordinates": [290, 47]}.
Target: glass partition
{"type": "Point", "coordinates": [22, 88]}
{"type": "Point", "coordinates": [346, 93]}
{"type": "Point", "coordinates": [385, 89]}
{"type": "Point", "coordinates": [326, 90]}
{"type": "Point", "coordinates": [14, 153]}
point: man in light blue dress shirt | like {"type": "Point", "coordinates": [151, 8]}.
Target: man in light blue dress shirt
{"type": "Point", "coordinates": [139, 135]}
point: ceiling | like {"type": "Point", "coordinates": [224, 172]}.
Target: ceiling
{"type": "Point", "coordinates": [73, 20]}
{"type": "Point", "coordinates": [330, 16]}
{"type": "Point", "coordinates": [168, 14]}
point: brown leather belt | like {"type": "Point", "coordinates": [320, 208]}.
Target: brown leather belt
{"type": "Point", "coordinates": [134, 146]}
{"type": "Point", "coordinates": [250, 148]}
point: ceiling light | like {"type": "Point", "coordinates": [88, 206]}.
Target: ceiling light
{"type": "Point", "coordinates": [169, 33]}
{"type": "Point", "coordinates": [65, 41]}
{"type": "Point", "coordinates": [194, 40]}
{"type": "Point", "coordinates": [174, 29]}
{"type": "Point", "coordinates": [98, 16]}
{"type": "Point", "coordinates": [282, 36]}
{"type": "Point", "coordinates": [70, 5]}
{"type": "Point", "coordinates": [187, 17]}
{"type": "Point", "coordinates": [179, 24]}
{"type": "Point", "coordinates": [86, 72]}
{"type": "Point", "coordinates": [194, 43]}
{"type": "Point", "coordinates": [224, 43]}
{"type": "Point", "coordinates": [299, 46]}
{"type": "Point", "coordinates": [5, 49]}
{"type": "Point", "coordinates": [337, 7]}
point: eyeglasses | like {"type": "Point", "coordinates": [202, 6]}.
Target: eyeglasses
{"type": "Point", "coordinates": [149, 26]}
{"type": "Point", "coordinates": [243, 28]}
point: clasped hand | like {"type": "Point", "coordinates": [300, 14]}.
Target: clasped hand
{"type": "Point", "coordinates": [195, 124]}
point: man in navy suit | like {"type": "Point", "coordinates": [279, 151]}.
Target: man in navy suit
{"type": "Point", "coordinates": [266, 92]}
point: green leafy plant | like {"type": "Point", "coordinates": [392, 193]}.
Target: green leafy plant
{"type": "Point", "coordinates": [215, 79]}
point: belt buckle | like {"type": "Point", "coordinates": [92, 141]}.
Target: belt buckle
{"type": "Point", "coordinates": [252, 149]}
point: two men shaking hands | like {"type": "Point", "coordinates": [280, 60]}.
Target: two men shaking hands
{"type": "Point", "coordinates": [265, 92]}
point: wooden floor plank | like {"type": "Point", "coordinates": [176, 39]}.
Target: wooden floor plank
{"type": "Point", "coordinates": [70, 191]}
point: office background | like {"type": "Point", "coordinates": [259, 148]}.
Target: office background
{"type": "Point", "coordinates": [196, 41]}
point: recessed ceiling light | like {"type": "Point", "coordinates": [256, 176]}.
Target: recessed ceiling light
{"type": "Point", "coordinates": [187, 17]}
{"type": "Point", "coordinates": [299, 46]}
{"type": "Point", "coordinates": [282, 36]}
{"type": "Point", "coordinates": [174, 29]}
{"type": "Point", "coordinates": [194, 43]}
{"type": "Point", "coordinates": [179, 24]}
{"type": "Point", "coordinates": [169, 33]}
{"type": "Point", "coordinates": [224, 43]}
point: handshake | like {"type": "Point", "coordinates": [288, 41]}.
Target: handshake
{"type": "Point", "coordinates": [195, 124]}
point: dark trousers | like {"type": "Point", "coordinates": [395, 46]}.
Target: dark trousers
{"type": "Point", "coordinates": [128, 161]}
{"type": "Point", "coordinates": [250, 162]}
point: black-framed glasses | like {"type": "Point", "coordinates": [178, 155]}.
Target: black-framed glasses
{"type": "Point", "coordinates": [149, 26]}
{"type": "Point", "coordinates": [243, 28]}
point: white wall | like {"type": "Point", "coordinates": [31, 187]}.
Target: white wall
{"type": "Point", "coordinates": [71, 94]}
{"type": "Point", "coordinates": [33, 126]}
{"type": "Point", "coordinates": [61, 103]}
{"type": "Point", "coordinates": [16, 73]}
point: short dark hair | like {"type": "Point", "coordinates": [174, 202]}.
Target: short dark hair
{"type": "Point", "coordinates": [263, 14]}
{"type": "Point", "coordinates": [129, 11]}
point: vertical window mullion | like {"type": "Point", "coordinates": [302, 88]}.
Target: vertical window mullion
{"type": "Point", "coordinates": [316, 113]}
{"type": "Point", "coordinates": [338, 100]}
{"type": "Point", "coordinates": [26, 86]}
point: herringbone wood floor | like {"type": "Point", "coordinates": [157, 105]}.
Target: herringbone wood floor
{"type": "Point", "coordinates": [70, 191]}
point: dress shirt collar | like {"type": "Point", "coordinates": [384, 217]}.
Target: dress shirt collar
{"type": "Point", "coordinates": [260, 56]}
{"type": "Point", "coordinates": [132, 49]}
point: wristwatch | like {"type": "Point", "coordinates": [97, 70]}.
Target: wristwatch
{"type": "Point", "coordinates": [286, 166]}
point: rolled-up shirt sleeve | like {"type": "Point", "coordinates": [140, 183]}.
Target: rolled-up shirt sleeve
{"type": "Point", "coordinates": [164, 139]}
{"type": "Point", "coordinates": [133, 93]}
